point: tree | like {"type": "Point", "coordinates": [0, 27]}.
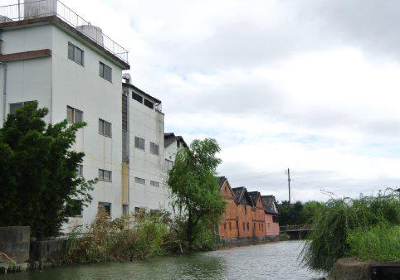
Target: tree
{"type": "Point", "coordinates": [38, 172]}
{"type": "Point", "coordinates": [194, 186]}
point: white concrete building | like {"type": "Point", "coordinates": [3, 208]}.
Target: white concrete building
{"type": "Point", "coordinates": [144, 170]}
{"type": "Point", "coordinates": [172, 144]}
{"type": "Point", "coordinates": [52, 55]}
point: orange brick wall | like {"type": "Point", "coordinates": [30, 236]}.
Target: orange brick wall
{"type": "Point", "coordinates": [243, 221]}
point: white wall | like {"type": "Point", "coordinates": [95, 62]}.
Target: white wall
{"type": "Point", "coordinates": [148, 124]}
{"type": "Point", "coordinates": [81, 87]}
{"type": "Point", "coordinates": [29, 79]}
{"type": "Point", "coordinates": [57, 82]}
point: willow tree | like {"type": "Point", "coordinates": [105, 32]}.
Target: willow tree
{"type": "Point", "coordinates": [38, 171]}
{"type": "Point", "coordinates": [194, 186]}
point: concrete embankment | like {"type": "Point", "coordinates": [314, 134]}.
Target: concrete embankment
{"type": "Point", "coordinates": [18, 252]}
{"type": "Point", "coordinates": [350, 269]}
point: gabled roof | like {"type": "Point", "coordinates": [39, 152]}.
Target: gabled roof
{"type": "Point", "coordinates": [254, 196]}
{"type": "Point", "coordinates": [221, 181]}
{"type": "Point", "coordinates": [269, 203]}
{"type": "Point", "coordinates": [170, 138]}
{"type": "Point", "coordinates": [242, 196]}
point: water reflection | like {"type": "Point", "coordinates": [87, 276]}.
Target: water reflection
{"type": "Point", "coordinates": [269, 261]}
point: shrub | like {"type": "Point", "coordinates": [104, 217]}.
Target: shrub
{"type": "Point", "coordinates": [131, 237]}
{"type": "Point", "coordinates": [333, 225]}
{"type": "Point", "coordinates": [381, 243]}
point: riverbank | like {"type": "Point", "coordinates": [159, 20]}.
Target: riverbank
{"type": "Point", "coordinates": [268, 261]}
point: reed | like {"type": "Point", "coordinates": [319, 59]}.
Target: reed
{"type": "Point", "coordinates": [333, 226]}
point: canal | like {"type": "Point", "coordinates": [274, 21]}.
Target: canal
{"type": "Point", "coordinates": [267, 261]}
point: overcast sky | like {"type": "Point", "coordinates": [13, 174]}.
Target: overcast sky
{"type": "Point", "coordinates": [310, 85]}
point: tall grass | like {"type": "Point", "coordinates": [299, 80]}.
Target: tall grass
{"type": "Point", "coordinates": [380, 243]}
{"type": "Point", "coordinates": [332, 227]}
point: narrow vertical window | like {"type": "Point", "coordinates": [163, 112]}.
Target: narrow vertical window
{"type": "Point", "coordinates": [105, 71]}
{"type": "Point", "coordinates": [105, 128]}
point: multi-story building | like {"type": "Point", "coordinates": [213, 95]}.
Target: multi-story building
{"type": "Point", "coordinates": [52, 55]}
{"type": "Point", "coordinates": [143, 130]}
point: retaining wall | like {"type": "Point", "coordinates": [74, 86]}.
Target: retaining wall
{"type": "Point", "coordinates": [15, 244]}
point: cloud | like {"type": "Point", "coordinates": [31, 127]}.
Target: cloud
{"type": "Point", "coordinates": [310, 85]}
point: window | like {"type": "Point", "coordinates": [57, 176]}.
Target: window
{"type": "Point", "coordinates": [140, 181]}
{"type": "Point", "coordinates": [104, 128]}
{"type": "Point", "coordinates": [125, 209]}
{"type": "Point", "coordinates": [168, 164]}
{"type": "Point", "coordinates": [106, 207]}
{"type": "Point", "coordinates": [154, 148]}
{"type": "Point", "coordinates": [275, 219]}
{"type": "Point", "coordinates": [154, 184]}
{"type": "Point", "coordinates": [149, 104]}
{"type": "Point", "coordinates": [79, 170]}
{"type": "Point", "coordinates": [137, 97]}
{"type": "Point", "coordinates": [248, 226]}
{"type": "Point", "coordinates": [75, 54]}
{"type": "Point", "coordinates": [15, 106]}
{"type": "Point", "coordinates": [139, 143]}
{"type": "Point", "coordinates": [244, 226]}
{"type": "Point", "coordinates": [230, 226]}
{"type": "Point", "coordinates": [105, 175]}
{"type": "Point", "coordinates": [74, 208]}
{"type": "Point", "coordinates": [74, 115]}
{"type": "Point", "coordinates": [105, 71]}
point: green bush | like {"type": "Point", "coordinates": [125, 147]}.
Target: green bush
{"type": "Point", "coordinates": [328, 240]}
{"type": "Point", "coordinates": [131, 237]}
{"type": "Point", "coordinates": [380, 243]}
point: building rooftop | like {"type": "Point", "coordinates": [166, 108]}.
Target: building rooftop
{"type": "Point", "coordinates": [35, 12]}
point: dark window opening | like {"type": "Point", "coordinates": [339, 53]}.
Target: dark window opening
{"type": "Point", "coordinates": [74, 208]}
{"type": "Point", "coordinates": [106, 207]}
{"type": "Point", "coordinates": [137, 97]}
{"type": "Point", "coordinates": [149, 104]}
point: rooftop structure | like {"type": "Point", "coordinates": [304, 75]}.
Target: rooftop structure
{"type": "Point", "coordinates": [35, 12]}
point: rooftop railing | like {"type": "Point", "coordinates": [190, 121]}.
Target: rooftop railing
{"type": "Point", "coordinates": [46, 8]}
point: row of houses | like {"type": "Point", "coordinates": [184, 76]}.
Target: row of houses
{"type": "Point", "coordinates": [248, 215]}
{"type": "Point", "coordinates": [50, 54]}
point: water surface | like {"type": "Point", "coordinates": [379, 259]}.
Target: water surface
{"type": "Point", "coordinates": [267, 261]}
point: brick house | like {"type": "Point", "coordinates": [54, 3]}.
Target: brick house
{"type": "Point", "coordinates": [248, 216]}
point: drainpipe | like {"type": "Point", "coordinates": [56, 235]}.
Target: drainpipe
{"type": "Point", "coordinates": [4, 90]}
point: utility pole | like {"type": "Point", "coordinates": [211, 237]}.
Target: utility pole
{"type": "Point", "coordinates": [19, 9]}
{"type": "Point", "coordinates": [288, 180]}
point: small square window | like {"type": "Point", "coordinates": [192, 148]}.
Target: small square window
{"type": "Point", "coordinates": [105, 175]}
{"type": "Point", "coordinates": [105, 71]}
{"type": "Point", "coordinates": [105, 128]}
{"type": "Point", "coordinates": [79, 170]}
{"type": "Point", "coordinates": [140, 181]}
{"type": "Point", "coordinates": [154, 148]}
{"type": "Point", "coordinates": [125, 209]}
{"type": "Point", "coordinates": [137, 97]}
{"type": "Point", "coordinates": [74, 208]}
{"type": "Point", "coordinates": [74, 115]}
{"type": "Point", "coordinates": [139, 143]}
{"type": "Point", "coordinates": [106, 207]}
{"type": "Point", "coordinates": [154, 184]}
{"type": "Point", "coordinates": [149, 104]}
{"type": "Point", "coordinates": [75, 54]}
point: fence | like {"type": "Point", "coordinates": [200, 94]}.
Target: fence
{"type": "Point", "coordinates": [46, 8]}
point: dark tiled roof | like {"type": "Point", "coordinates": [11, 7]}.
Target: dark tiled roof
{"type": "Point", "coordinates": [242, 196]}
{"type": "Point", "coordinates": [170, 138]}
{"type": "Point", "coordinates": [254, 195]}
{"type": "Point", "coordinates": [269, 203]}
{"type": "Point", "coordinates": [221, 181]}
